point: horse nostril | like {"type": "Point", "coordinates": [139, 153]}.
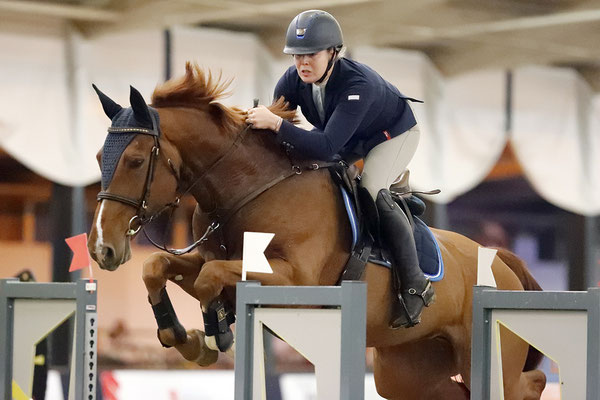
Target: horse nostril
{"type": "Point", "coordinates": [108, 253]}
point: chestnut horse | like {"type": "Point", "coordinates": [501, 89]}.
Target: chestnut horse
{"type": "Point", "coordinates": [207, 149]}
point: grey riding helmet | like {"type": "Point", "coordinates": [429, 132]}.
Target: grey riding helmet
{"type": "Point", "coordinates": [312, 31]}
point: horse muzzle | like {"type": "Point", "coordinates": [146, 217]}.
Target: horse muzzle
{"type": "Point", "coordinates": [109, 258]}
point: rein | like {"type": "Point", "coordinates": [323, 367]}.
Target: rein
{"type": "Point", "coordinates": [139, 220]}
{"type": "Point", "coordinates": [218, 220]}
{"type": "Point", "coordinates": [214, 225]}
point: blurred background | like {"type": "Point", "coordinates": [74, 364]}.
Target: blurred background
{"type": "Point", "coordinates": [510, 134]}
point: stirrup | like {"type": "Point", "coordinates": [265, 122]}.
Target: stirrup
{"type": "Point", "coordinates": [405, 320]}
{"type": "Point", "coordinates": [427, 295]}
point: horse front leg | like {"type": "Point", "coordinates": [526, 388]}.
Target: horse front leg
{"type": "Point", "coordinates": [217, 275]}
{"type": "Point", "coordinates": [182, 270]}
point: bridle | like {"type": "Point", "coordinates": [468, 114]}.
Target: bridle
{"type": "Point", "coordinates": [140, 219]}
{"type": "Point", "coordinates": [141, 205]}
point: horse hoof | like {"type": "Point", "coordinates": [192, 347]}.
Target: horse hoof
{"type": "Point", "coordinates": [224, 340]}
{"type": "Point", "coordinates": [533, 384]}
{"type": "Point", "coordinates": [231, 351]}
{"type": "Point", "coordinates": [206, 356]}
{"type": "Point", "coordinates": [221, 341]}
{"type": "Point", "coordinates": [172, 336]}
{"type": "Point", "coordinates": [211, 342]}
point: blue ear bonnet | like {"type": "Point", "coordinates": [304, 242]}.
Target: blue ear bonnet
{"type": "Point", "coordinates": [123, 129]}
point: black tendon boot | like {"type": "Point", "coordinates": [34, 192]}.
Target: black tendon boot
{"type": "Point", "coordinates": [413, 289]}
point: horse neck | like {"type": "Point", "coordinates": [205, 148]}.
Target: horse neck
{"type": "Point", "coordinates": [256, 158]}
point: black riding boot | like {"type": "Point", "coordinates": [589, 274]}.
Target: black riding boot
{"type": "Point", "coordinates": [413, 289]}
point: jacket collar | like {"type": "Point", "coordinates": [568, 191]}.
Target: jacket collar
{"type": "Point", "coordinates": [306, 89]}
{"type": "Point", "coordinates": [332, 82]}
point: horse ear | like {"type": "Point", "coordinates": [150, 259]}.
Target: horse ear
{"type": "Point", "coordinates": [110, 107]}
{"type": "Point", "coordinates": [140, 108]}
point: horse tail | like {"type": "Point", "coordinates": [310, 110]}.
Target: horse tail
{"type": "Point", "coordinates": [518, 266]}
{"type": "Point", "coordinates": [520, 269]}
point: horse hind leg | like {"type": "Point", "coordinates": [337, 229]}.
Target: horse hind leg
{"type": "Point", "coordinates": [159, 268]}
{"type": "Point", "coordinates": [518, 385]}
{"type": "Point", "coordinates": [419, 370]}
{"type": "Point", "coordinates": [532, 384]}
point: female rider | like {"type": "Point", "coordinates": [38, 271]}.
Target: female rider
{"type": "Point", "coordinates": [355, 114]}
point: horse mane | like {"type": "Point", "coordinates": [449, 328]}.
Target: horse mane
{"type": "Point", "coordinates": [201, 89]}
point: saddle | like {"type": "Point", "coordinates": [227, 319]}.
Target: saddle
{"type": "Point", "coordinates": [364, 219]}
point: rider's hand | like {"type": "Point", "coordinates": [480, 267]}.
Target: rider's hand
{"type": "Point", "coordinates": [262, 118]}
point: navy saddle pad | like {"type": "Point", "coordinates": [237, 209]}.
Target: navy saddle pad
{"type": "Point", "coordinates": [428, 249]}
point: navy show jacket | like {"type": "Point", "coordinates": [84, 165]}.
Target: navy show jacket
{"type": "Point", "coordinates": [359, 106]}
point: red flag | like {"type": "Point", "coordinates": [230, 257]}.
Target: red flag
{"type": "Point", "coordinates": [109, 384]}
{"type": "Point", "coordinates": [81, 257]}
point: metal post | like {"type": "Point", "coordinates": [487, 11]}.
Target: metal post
{"type": "Point", "coordinates": [480, 346]}
{"type": "Point", "coordinates": [593, 345]}
{"type": "Point", "coordinates": [83, 294]}
{"type": "Point", "coordinates": [6, 339]}
{"type": "Point", "coordinates": [350, 298]}
{"type": "Point", "coordinates": [489, 303]}
{"type": "Point", "coordinates": [354, 319]}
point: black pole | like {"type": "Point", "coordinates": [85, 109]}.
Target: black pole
{"type": "Point", "coordinates": [61, 217]}
{"type": "Point", "coordinates": [581, 233]}
{"type": "Point", "coordinates": [508, 103]}
{"type": "Point", "coordinates": [168, 54]}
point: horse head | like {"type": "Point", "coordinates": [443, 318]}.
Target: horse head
{"type": "Point", "coordinates": [140, 172]}
{"type": "Point", "coordinates": [184, 139]}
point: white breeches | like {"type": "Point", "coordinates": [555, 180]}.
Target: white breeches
{"type": "Point", "coordinates": [386, 161]}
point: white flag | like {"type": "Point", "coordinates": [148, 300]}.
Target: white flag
{"type": "Point", "coordinates": [485, 257]}
{"type": "Point", "coordinates": [253, 253]}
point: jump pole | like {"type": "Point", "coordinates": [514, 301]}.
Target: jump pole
{"type": "Point", "coordinates": [333, 338]}
{"type": "Point", "coordinates": [28, 313]}
{"type": "Point", "coordinates": [565, 326]}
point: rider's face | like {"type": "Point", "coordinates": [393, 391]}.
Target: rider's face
{"type": "Point", "coordinates": [311, 67]}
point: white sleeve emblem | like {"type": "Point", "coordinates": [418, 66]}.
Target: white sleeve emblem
{"type": "Point", "coordinates": [354, 97]}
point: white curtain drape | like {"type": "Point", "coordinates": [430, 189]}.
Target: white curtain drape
{"type": "Point", "coordinates": [237, 56]}
{"type": "Point", "coordinates": [461, 121]}
{"type": "Point", "coordinates": [52, 122]}
{"type": "Point", "coordinates": [114, 62]}
{"type": "Point", "coordinates": [34, 111]}
{"type": "Point", "coordinates": [51, 119]}
{"type": "Point", "coordinates": [556, 137]}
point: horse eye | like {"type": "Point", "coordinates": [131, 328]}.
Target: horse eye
{"type": "Point", "coordinates": [135, 162]}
